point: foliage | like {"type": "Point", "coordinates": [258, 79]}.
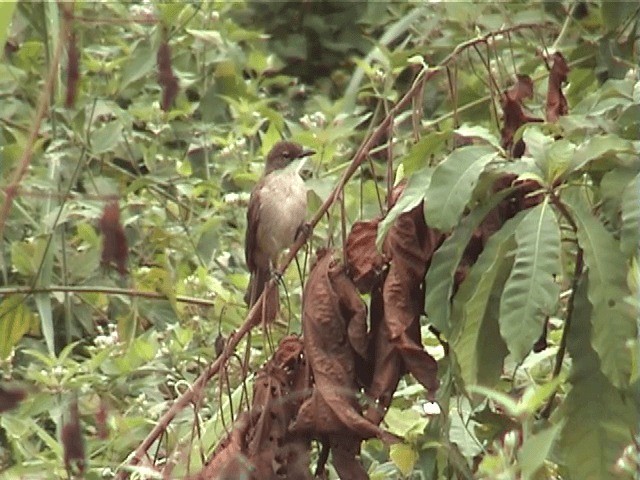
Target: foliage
{"type": "Point", "coordinates": [180, 163]}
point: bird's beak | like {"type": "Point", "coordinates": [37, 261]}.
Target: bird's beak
{"type": "Point", "coordinates": [307, 152]}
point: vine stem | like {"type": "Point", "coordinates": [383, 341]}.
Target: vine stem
{"type": "Point", "coordinates": [253, 318]}
{"type": "Point", "coordinates": [577, 273]}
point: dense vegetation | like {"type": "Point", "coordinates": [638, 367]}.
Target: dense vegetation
{"type": "Point", "coordinates": [132, 133]}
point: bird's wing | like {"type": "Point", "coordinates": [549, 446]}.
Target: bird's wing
{"type": "Point", "coordinates": [251, 236]}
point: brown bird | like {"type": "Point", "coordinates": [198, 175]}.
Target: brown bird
{"type": "Point", "coordinates": [277, 209]}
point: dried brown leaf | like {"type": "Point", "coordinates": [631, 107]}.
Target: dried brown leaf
{"type": "Point", "coordinates": [10, 398]}
{"type": "Point", "coordinates": [73, 70]}
{"type": "Point", "coordinates": [73, 442]}
{"type": "Point", "coordinates": [333, 408]}
{"type": "Point", "coordinates": [166, 79]}
{"type": "Point", "coordinates": [513, 114]}
{"type": "Point", "coordinates": [363, 259]}
{"type": "Point", "coordinates": [259, 446]}
{"type": "Point", "coordinates": [557, 105]}
{"type": "Point", "coordinates": [114, 245]}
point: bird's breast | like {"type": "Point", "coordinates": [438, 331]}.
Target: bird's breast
{"type": "Point", "coordinates": [283, 206]}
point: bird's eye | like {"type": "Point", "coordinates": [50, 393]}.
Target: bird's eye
{"type": "Point", "coordinates": [285, 154]}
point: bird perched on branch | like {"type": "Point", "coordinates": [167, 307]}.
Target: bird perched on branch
{"type": "Point", "coordinates": [277, 208]}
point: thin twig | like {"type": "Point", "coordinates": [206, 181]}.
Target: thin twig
{"type": "Point", "coordinates": [106, 290]}
{"type": "Point", "coordinates": [43, 107]}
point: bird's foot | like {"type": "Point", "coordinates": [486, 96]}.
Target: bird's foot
{"type": "Point", "coordinates": [305, 230]}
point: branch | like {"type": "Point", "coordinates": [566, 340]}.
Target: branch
{"type": "Point", "coordinates": [106, 290]}
{"type": "Point", "coordinates": [253, 319]}
{"type": "Point", "coordinates": [43, 106]}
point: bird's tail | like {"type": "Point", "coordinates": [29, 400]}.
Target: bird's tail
{"type": "Point", "coordinates": [257, 284]}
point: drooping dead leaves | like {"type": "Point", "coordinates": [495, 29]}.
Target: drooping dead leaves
{"type": "Point", "coordinates": [512, 102]}
{"type": "Point", "coordinates": [336, 384]}
{"type": "Point", "coordinates": [114, 242]}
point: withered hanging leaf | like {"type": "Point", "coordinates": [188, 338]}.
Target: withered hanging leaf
{"type": "Point", "coordinates": [333, 408]}
{"type": "Point", "coordinates": [10, 398]}
{"type": "Point", "coordinates": [557, 105]}
{"type": "Point", "coordinates": [259, 446]}
{"type": "Point", "coordinates": [410, 245]}
{"type": "Point", "coordinates": [101, 420]}
{"type": "Point", "coordinates": [166, 79]}
{"type": "Point", "coordinates": [513, 114]}
{"type": "Point", "coordinates": [114, 244]}
{"type": "Point", "coordinates": [344, 452]}
{"type": "Point", "coordinates": [363, 259]}
{"type": "Point", "coordinates": [73, 70]}
{"type": "Point", "coordinates": [73, 442]}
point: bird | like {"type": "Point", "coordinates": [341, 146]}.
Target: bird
{"type": "Point", "coordinates": [276, 212]}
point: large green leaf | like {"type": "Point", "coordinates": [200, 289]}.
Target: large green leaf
{"type": "Point", "coordinates": [15, 320]}
{"type": "Point", "coordinates": [475, 343]}
{"type": "Point", "coordinates": [441, 274]}
{"type": "Point", "coordinates": [412, 195]}
{"type": "Point", "coordinates": [630, 230]}
{"type": "Point", "coordinates": [597, 147]}
{"type": "Point", "coordinates": [531, 292]}
{"type": "Point", "coordinates": [452, 184]}
{"type": "Point", "coordinates": [614, 320]}
{"type": "Point", "coordinates": [551, 156]}
{"type": "Point", "coordinates": [598, 421]}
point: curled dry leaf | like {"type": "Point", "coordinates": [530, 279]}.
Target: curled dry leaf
{"type": "Point", "coordinates": [513, 114]}
{"type": "Point", "coordinates": [10, 398]}
{"type": "Point", "coordinates": [396, 307]}
{"type": "Point", "coordinates": [557, 105]}
{"type": "Point", "coordinates": [365, 263]}
{"type": "Point", "coordinates": [114, 245]}
{"type": "Point", "coordinates": [259, 447]}
{"type": "Point", "coordinates": [73, 442]}
{"type": "Point", "coordinates": [166, 78]}
{"type": "Point", "coordinates": [330, 305]}
{"type": "Point", "coordinates": [73, 70]}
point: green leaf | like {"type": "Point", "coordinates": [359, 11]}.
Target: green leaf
{"type": "Point", "coordinates": [478, 131]}
{"type": "Point", "coordinates": [476, 340]}
{"type": "Point", "coordinates": [614, 320]}
{"type": "Point", "coordinates": [531, 292]}
{"type": "Point", "coordinates": [553, 157]}
{"type": "Point", "coordinates": [405, 422]}
{"type": "Point", "coordinates": [15, 321]}
{"type": "Point", "coordinates": [597, 147]}
{"type": "Point", "coordinates": [441, 273]}
{"type": "Point", "coordinates": [404, 457]}
{"type": "Point", "coordinates": [597, 417]}
{"type": "Point", "coordinates": [412, 195]}
{"type": "Point", "coordinates": [419, 153]}
{"type": "Point", "coordinates": [105, 138]}
{"type": "Point", "coordinates": [6, 15]}
{"type": "Point", "coordinates": [535, 450]}
{"type": "Point", "coordinates": [630, 230]}
{"type": "Point", "coordinates": [452, 184]}
{"type": "Point", "coordinates": [140, 63]}
{"type": "Point", "coordinates": [43, 303]}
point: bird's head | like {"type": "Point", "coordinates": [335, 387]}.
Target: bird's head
{"type": "Point", "coordinates": [283, 153]}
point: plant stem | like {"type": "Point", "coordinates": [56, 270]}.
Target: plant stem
{"type": "Point", "coordinates": [577, 273]}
